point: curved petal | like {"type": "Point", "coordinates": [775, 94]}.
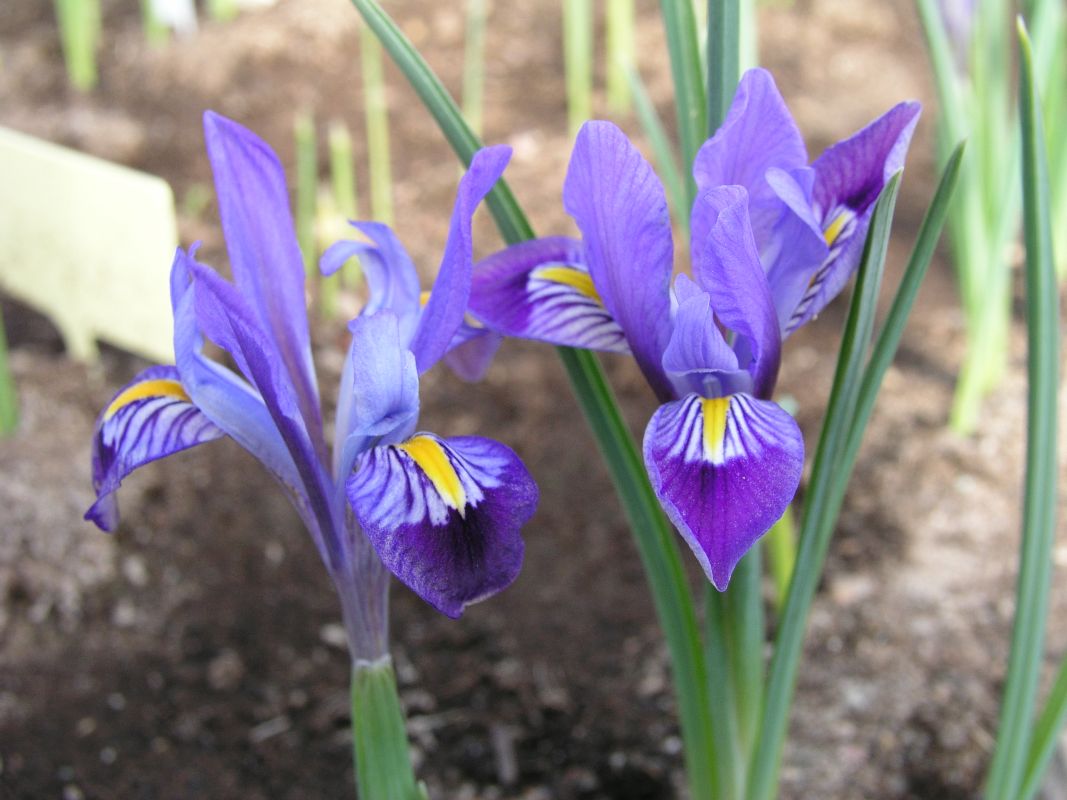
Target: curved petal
{"type": "Point", "coordinates": [849, 177]}
{"type": "Point", "coordinates": [227, 400]}
{"type": "Point", "coordinates": [620, 208]}
{"type": "Point", "coordinates": [150, 418]}
{"type": "Point", "coordinates": [379, 393]}
{"type": "Point", "coordinates": [697, 345]}
{"type": "Point", "coordinates": [724, 470]}
{"type": "Point", "coordinates": [447, 305]}
{"type": "Point", "coordinates": [471, 352]}
{"type": "Point", "coordinates": [758, 134]}
{"type": "Point", "coordinates": [444, 515]}
{"type": "Point", "coordinates": [541, 289]}
{"type": "Point", "coordinates": [728, 268]}
{"type": "Point", "coordinates": [264, 255]}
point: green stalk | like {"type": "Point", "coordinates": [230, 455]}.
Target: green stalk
{"type": "Point", "coordinates": [724, 58]}
{"type": "Point", "coordinates": [820, 511]}
{"type": "Point", "coordinates": [343, 185]}
{"type": "Point", "coordinates": [828, 483]}
{"type": "Point", "coordinates": [379, 740]}
{"type": "Point", "coordinates": [307, 187]}
{"type": "Point", "coordinates": [722, 695]}
{"type": "Point", "coordinates": [1039, 510]}
{"type": "Point", "coordinates": [79, 30]}
{"type": "Point", "coordinates": [474, 64]}
{"type": "Point", "coordinates": [376, 112]}
{"type": "Point", "coordinates": [666, 165]}
{"type": "Point", "coordinates": [781, 545]}
{"type": "Point", "coordinates": [620, 54]}
{"type": "Point", "coordinates": [653, 534]}
{"type": "Point", "coordinates": [744, 602]}
{"type": "Point", "coordinates": [9, 402]}
{"type": "Point", "coordinates": [578, 61]}
{"type": "Point", "coordinates": [687, 72]}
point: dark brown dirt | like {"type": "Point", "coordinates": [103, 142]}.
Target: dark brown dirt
{"type": "Point", "coordinates": [197, 653]}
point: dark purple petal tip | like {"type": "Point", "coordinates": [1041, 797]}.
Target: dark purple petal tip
{"type": "Point", "coordinates": [724, 470]}
{"type": "Point", "coordinates": [444, 515]}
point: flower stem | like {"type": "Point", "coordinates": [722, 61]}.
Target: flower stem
{"type": "Point", "coordinates": [379, 740]}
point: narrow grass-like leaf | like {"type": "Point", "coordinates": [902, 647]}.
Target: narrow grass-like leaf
{"type": "Point", "coordinates": [620, 54]}
{"type": "Point", "coordinates": [474, 64]}
{"type": "Point", "coordinates": [307, 188]}
{"type": "Point", "coordinates": [578, 61]}
{"type": "Point", "coordinates": [819, 512]}
{"type": "Point", "coordinates": [1039, 504]}
{"type": "Point", "coordinates": [9, 403]}
{"type": "Point", "coordinates": [376, 114]}
{"type": "Point", "coordinates": [666, 164]}
{"type": "Point", "coordinates": [1046, 735]}
{"type": "Point", "coordinates": [655, 538]}
{"type": "Point", "coordinates": [724, 58]}
{"type": "Point", "coordinates": [689, 96]}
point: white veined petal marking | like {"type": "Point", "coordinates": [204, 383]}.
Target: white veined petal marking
{"type": "Point", "coordinates": [837, 230]}
{"type": "Point", "coordinates": [565, 305]}
{"type": "Point", "coordinates": [718, 430]}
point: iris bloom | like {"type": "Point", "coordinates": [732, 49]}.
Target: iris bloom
{"type": "Point", "coordinates": [773, 240]}
{"type": "Point", "coordinates": [442, 514]}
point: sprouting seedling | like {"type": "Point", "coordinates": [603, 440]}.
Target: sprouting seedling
{"type": "Point", "coordinates": [343, 185]}
{"type": "Point", "coordinates": [79, 32]}
{"type": "Point", "coordinates": [578, 61]}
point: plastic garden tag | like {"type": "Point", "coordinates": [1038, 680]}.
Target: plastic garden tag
{"type": "Point", "coordinates": [88, 243]}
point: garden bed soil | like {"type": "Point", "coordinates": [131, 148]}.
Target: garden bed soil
{"type": "Point", "coordinates": [198, 652]}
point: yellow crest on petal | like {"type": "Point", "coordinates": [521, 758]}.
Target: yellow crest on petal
{"type": "Point", "coordinates": [432, 460]}
{"type": "Point", "coordinates": [714, 412]}
{"type": "Point", "coordinates": [569, 276]}
{"type": "Point", "coordinates": [161, 387]}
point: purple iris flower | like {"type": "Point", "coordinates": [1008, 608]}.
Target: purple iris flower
{"type": "Point", "coordinates": [773, 240]}
{"type": "Point", "coordinates": [442, 514]}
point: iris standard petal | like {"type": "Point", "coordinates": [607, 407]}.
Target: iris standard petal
{"type": "Point", "coordinates": [264, 255]}
{"type": "Point", "coordinates": [380, 399]}
{"type": "Point", "coordinates": [225, 398]}
{"type": "Point", "coordinates": [697, 345]}
{"type": "Point", "coordinates": [444, 515]}
{"type": "Point", "coordinates": [619, 205]}
{"type": "Point", "coordinates": [849, 177]}
{"type": "Point", "coordinates": [758, 134]}
{"type": "Point", "coordinates": [541, 289]}
{"type": "Point", "coordinates": [796, 247]}
{"type": "Point", "coordinates": [727, 267]}
{"type": "Point", "coordinates": [151, 417]}
{"type": "Point", "coordinates": [444, 312]}
{"type": "Point", "coordinates": [724, 470]}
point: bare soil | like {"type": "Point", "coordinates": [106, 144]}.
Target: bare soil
{"type": "Point", "coordinates": [197, 653]}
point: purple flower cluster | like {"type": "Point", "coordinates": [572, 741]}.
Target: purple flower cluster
{"type": "Point", "coordinates": [773, 240]}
